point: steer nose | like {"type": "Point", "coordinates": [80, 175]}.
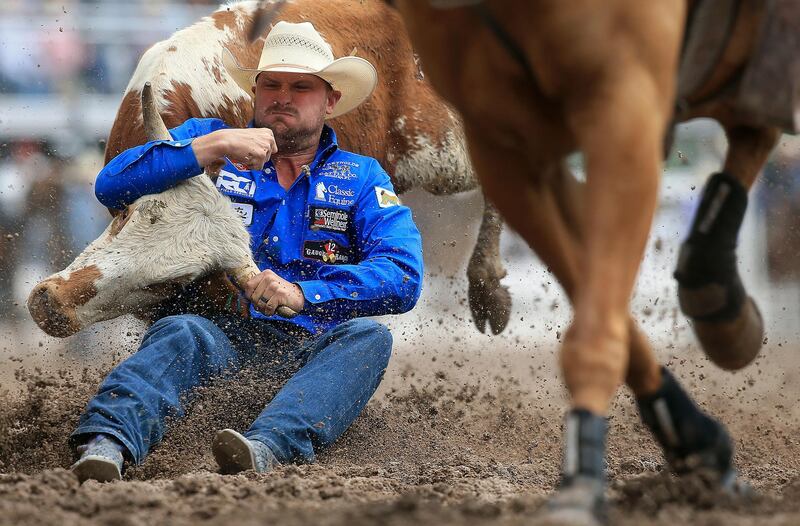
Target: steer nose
{"type": "Point", "coordinates": [50, 313]}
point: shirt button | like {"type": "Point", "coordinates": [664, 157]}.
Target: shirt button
{"type": "Point", "coordinates": [275, 238]}
{"type": "Point", "coordinates": [283, 201]}
{"type": "Point", "coordinates": [317, 297]}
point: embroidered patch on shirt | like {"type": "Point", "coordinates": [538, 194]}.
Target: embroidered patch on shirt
{"type": "Point", "coordinates": [386, 198]}
{"type": "Point", "coordinates": [235, 184]}
{"type": "Point", "coordinates": [334, 194]}
{"type": "Point", "coordinates": [245, 211]}
{"type": "Point", "coordinates": [330, 219]}
{"type": "Point", "coordinates": [328, 251]}
{"type": "Point", "coordinates": [340, 170]}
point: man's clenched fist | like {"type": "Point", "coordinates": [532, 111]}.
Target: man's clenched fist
{"type": "Point", "coordinates": [251, 147]}
{"type": "Point", "coordinates": [267, 291]}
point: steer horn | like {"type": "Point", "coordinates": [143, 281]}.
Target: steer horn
{"type": "Point", "coordinates": [155, 129]}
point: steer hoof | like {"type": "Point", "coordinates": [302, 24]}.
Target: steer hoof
{"type": "Point", "coordinates": [580, 503]}
{"type": "Point", "coordinates": [733, 344]}
{"type": "Point", "coordinates": [490, 302]}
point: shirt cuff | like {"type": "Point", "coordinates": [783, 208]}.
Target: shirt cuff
{"type": "Point", "coordinates": [184, 160]}
{"type": "Point", "coordinates": [316, 292]}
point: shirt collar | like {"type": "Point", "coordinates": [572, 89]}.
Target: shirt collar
{"type": "Point", "coordinates": [327, 145]}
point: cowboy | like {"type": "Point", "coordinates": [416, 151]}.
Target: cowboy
{"type": "Point", "coordinates": [334, 245]}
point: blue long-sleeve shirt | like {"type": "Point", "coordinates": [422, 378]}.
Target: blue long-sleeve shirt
{"type": "Point", "coordinates": [339, 231]}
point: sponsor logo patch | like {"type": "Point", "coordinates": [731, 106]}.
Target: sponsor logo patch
{"type": "Point", "coordinates": [386, 198]}
{"type": "Point", "coordinates": [328, 251]}
{"type": "Point", "coordinates": [334, 194]}
{"type": "Point", "coordinates": [342, 170]}
{"type": "Point", "coordinates": [231, 183]}
{"type": "Point", "coordinates": [330, 219]}
{"type": "Point", "coordinates": [245, 211]}
{"type": "Point", "coordinates": [320, 191]}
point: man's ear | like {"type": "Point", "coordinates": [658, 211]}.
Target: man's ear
{"type": "Point", "coordinates": [333, 98]}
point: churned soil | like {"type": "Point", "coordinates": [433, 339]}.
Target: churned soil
{"type": "Point", "coordinates": [460, 440]}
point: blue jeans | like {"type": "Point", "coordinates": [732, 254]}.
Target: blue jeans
{"type": "Point", "coordinates": [331, 378]}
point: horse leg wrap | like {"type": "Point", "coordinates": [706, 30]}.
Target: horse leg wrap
{"type": "Point", "coordinates": [690, 438]}
{"type": "Point", "coordinates": [710, 287]}
{"type": "Point", "coordinates": [585, 445]}
{"type": "Point", "coordinates": [580, 498]}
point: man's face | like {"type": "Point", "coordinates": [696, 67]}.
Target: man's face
{"type": "Point", "coordinates": [294, 107]}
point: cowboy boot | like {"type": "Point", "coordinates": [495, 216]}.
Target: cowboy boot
{"type": "Point", "coordinates": [235, 453]}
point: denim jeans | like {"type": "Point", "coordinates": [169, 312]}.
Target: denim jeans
{"type": "Point", "coordinates": [331, 378]}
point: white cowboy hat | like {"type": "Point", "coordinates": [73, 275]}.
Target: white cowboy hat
{"type": "Point", "coordinates": [298, 48]}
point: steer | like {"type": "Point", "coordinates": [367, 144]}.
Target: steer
{"type": "Point", "coordinates": [171, 239]}
{"type": "Point", "coordinates": [405, 125]}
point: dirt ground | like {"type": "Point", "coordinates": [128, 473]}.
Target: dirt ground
{"type": "Point", "coordinates": [453, 437]}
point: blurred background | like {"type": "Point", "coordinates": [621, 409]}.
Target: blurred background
{"type": "Point", "coordinates": [63, 67]}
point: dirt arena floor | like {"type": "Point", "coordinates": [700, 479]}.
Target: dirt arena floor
{"type": "Point", "coordinates": [466, 429]}
{"type": "Point", "coordinates": [454, 437]}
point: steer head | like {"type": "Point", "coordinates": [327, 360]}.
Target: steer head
{"type": "Point", "coordinates": [154, 246]}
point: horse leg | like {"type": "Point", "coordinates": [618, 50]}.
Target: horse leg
{"type": "Point", "coordinates": [691, 439]}
{"type": "Point", "coordinates": [725, 319]}
{"type": "Point", "coordinates": [697, 440]}
{"type": "Point", "coordinates": [644, 372]}
{"type": "Point", "coordinates": [489, 300]}
{"type": "Point", "coordinates": [619, 126]}
{"type": "Point", "coordinates": [549, 217]}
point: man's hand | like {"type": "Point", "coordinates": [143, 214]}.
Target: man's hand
{"type": "Point", "coordinates": [252, 147]}
{"type": "Point", "coordinates": [267, 291]}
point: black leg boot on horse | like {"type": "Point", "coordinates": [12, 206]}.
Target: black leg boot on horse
{"type": "Point", "coordinates": [726, 320]}
{"type": "Point", "coordinates": [580, 498]}
{"type": "Point", "coordinates": [693, 442]}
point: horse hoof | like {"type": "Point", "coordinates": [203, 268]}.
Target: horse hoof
{"type": "Point", "coordinates": [490, 302]}
{"type": "Point", "coordinates": [579, 503]}
{"type": "Point", "coordinates": [732, 485]}
{"type": "Point", "coordinates": [733, 344]}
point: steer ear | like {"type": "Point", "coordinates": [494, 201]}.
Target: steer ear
{"type": "Point", "coordinates": [154, 127]}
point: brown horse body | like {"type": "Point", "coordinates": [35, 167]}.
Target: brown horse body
{"type": "Point", "coordinates": [535, 80]}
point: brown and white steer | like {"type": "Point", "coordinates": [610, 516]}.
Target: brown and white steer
{"type": "Point", "coordinates": [405, 125]}
{"type": "Point", "coordinates": [159, 243]}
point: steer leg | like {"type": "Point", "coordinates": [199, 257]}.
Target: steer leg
{"type": "Point", "coordinates": [725, 319]}
{"type": "Point", "coordinates": [489, 300]}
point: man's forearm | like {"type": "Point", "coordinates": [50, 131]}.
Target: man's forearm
{"type": "Point", "coordinates": [209, 148]}
{"type": "Point", "coordinates": [147, 169]}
